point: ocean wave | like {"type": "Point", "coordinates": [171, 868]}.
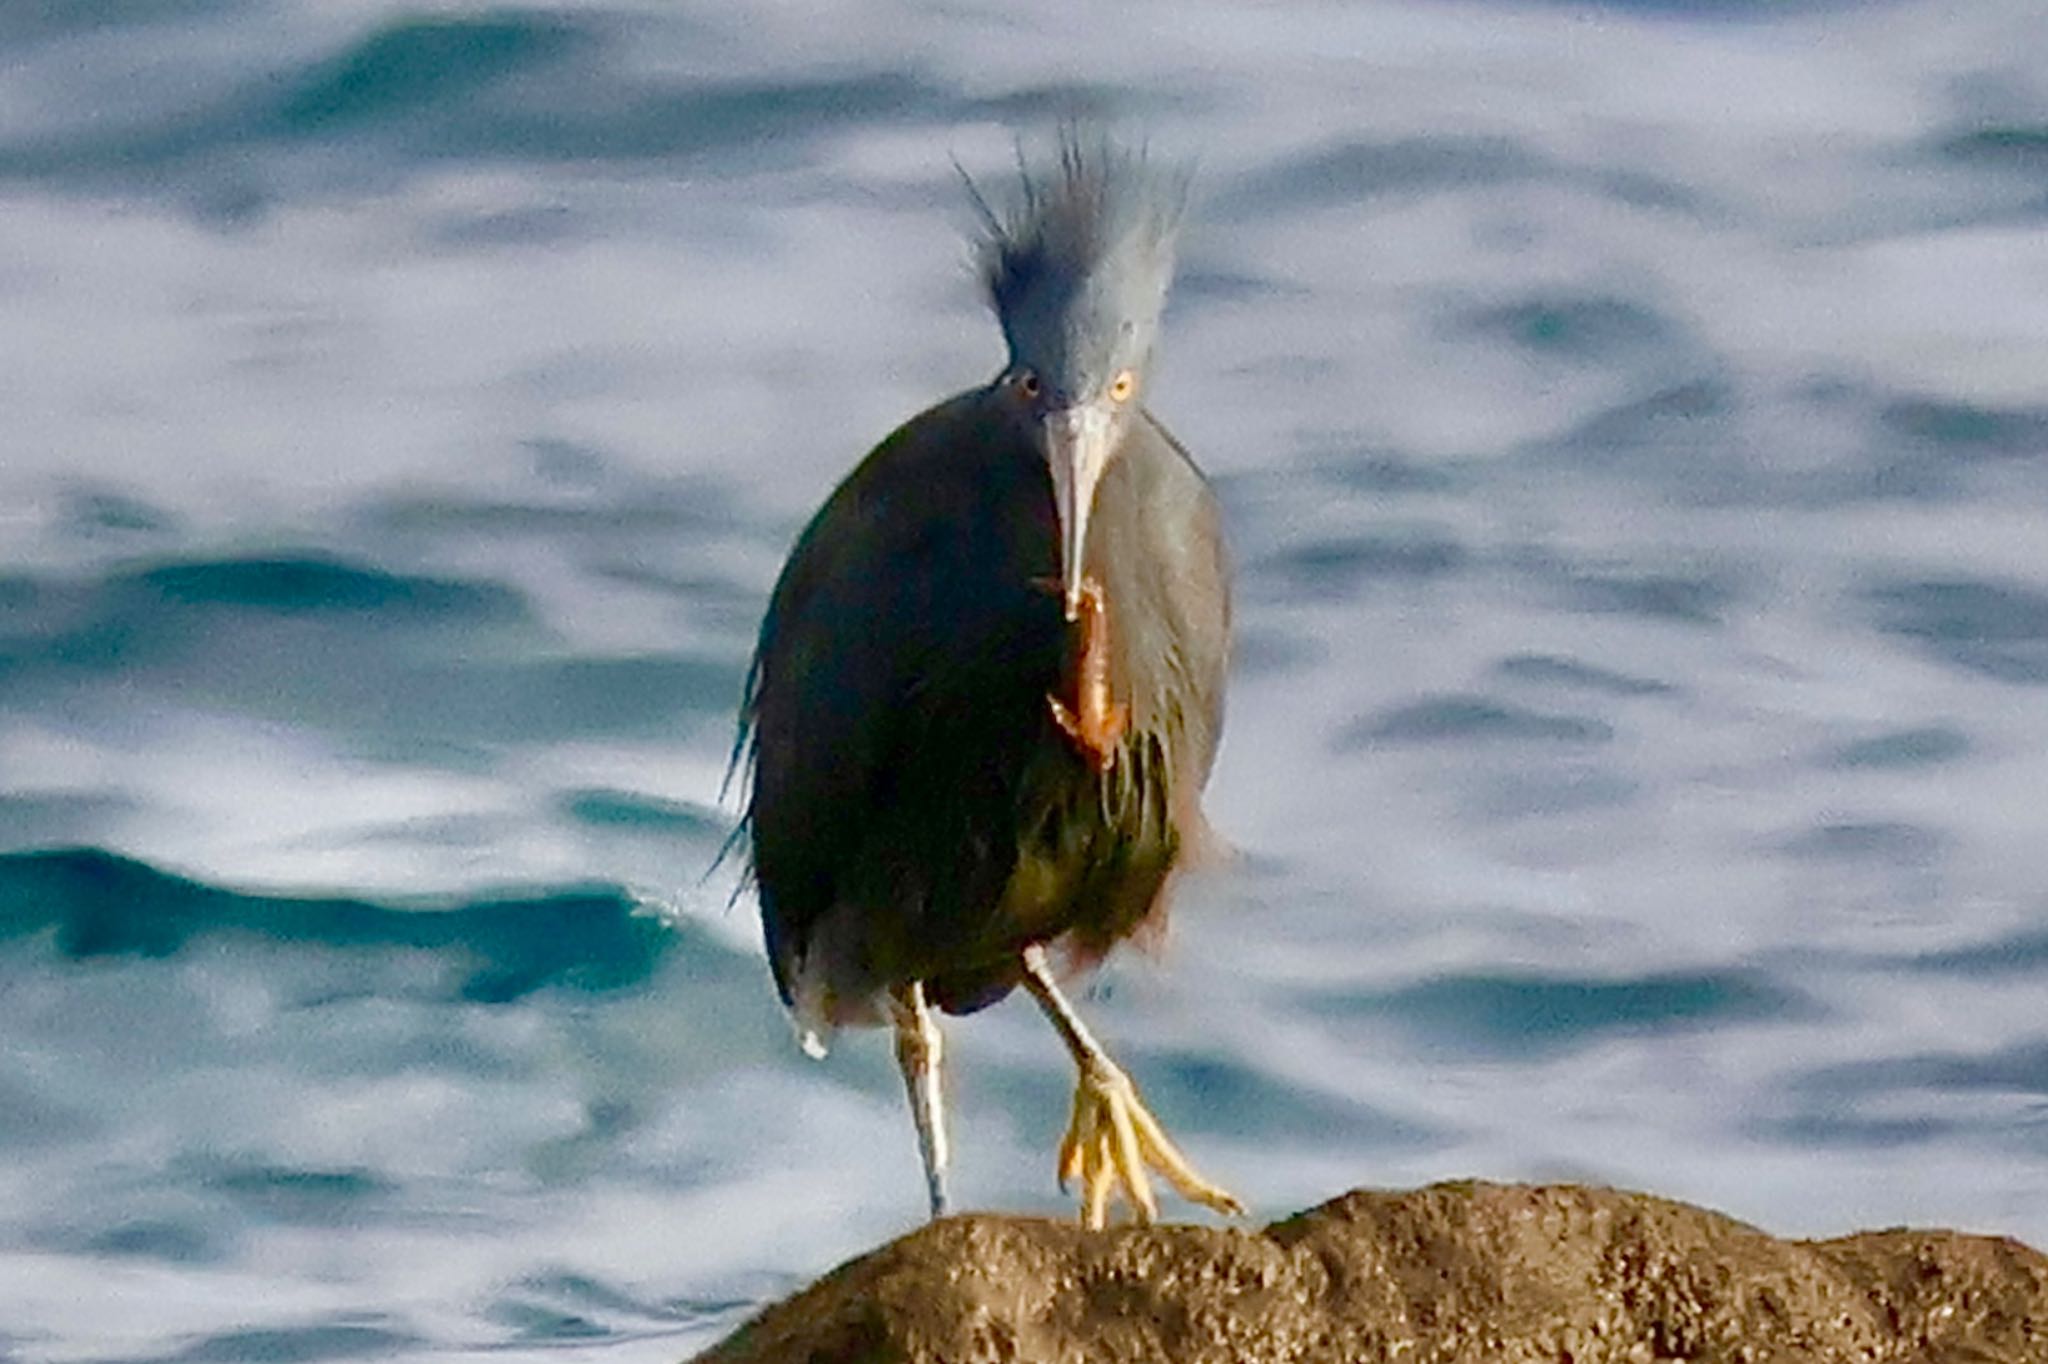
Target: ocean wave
{"type": "Point", "coordinates": [1339, 567]}
{"type": "Point", "coordinates": [419, 63]}
{"type": "Point", "coordinates": [501, 84]}
{"type": "Point", "coordinates": [93, 902]}
{"type": "Point", "coordinates": [1591, 329]}
{"type": "Point", "coordinates": [1469, 719]}
{"type": "Point", "coordinates": [303, 583]}
{"type": "Point", "coordinates": [1510, 1013]}
{"type": "Point", "coordinates": [2018, 147]}
{"type": "Point", "coordinates": [147, 611]}
{"type": "Point", "coordinates": [316, 640]}
{"type": "Point", "coordinates": [1997, 630]}
{"type": "Point", "coordinates": [1570, 674]}
{"type": "Point", "coordinates": [1357, 170]}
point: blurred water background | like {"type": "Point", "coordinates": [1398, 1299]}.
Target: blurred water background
{"type": "Point", "coordinates": [1633, 421]}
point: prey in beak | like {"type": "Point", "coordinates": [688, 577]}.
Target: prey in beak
{"type": "Point", "coordinates": [1078, 441]}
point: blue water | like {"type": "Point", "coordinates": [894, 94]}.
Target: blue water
{"type": "Point", "coordinates": [1633, 423]}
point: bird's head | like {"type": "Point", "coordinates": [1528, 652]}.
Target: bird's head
{"type": "Point", "coordinates": [1077, 266]}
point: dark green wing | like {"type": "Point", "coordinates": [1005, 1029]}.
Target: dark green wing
{"type": "Point", "coordinates": [897, 692]}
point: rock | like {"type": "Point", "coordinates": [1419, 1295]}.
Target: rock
{"type": "Point", "coordinates": [1455, 1272]}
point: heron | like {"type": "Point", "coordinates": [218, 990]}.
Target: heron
{"type": "Point", "coordinates": [988, 686]}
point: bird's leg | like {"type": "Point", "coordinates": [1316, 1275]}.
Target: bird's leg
{"type": "Point", "coordinates": [919, 1045]}
{"type": "Point", "coordinates": [1096, 720]}
{"type": "Point", "coordinates": [1111, 1138]}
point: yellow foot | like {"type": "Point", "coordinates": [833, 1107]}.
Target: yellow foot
{"type": "Point", "coordinates": [1113, 1140]}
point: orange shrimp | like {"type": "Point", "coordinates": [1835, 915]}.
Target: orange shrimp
{"type": "Point", "coordinates": [1096, 721]}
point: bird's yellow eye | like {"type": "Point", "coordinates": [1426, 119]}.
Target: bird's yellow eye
{"type": "Point", "coordinates": [1027, 383]}
{"type": "Point", "coordinates": [1123, 386]}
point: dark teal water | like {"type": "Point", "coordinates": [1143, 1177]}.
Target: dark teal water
{"type": "Point", "coordinates": [1632, 424]}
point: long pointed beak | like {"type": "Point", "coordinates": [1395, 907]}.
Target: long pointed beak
{"type": "Point", "coordinates": [1077, 451]}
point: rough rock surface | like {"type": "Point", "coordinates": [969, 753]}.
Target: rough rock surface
{"type": "Point", "coordinates": [1454, 1272]}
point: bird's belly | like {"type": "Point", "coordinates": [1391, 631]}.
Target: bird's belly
{"type": "Point", "coordinates": [1088, 870]}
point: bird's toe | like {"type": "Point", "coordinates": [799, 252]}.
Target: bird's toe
{"type": "Point", "coordinates": [1113, 1144]}
{"type": "Point", "coordinates": [1165, 1157]}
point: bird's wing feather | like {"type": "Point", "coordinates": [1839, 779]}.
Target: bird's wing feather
{"type": "Point", "coordinates": [1178, 612]}
{"type": "Point", "coordinates": [904, 645]}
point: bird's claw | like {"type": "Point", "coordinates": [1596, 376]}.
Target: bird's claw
{"type": "Point", "coordinates": [1113, 1140]}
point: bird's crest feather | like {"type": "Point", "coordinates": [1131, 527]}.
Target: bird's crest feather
{"type": "Point", "coordinates": [1084, 241]}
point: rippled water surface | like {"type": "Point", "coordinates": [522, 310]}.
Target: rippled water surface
{"type": "Point", "coordinates": [1633, 423]}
